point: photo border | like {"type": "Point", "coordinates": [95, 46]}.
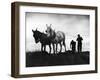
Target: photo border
{"type": "Point", "coordinates": [15, 32]}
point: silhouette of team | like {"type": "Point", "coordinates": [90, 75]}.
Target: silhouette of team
{"type": "Point", "coordinates": [54, 38]}
{"type": "Point", "coordinates": [79, 44]}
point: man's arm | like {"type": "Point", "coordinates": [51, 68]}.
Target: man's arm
{"type": "Point", "coordinates": [81, 38]}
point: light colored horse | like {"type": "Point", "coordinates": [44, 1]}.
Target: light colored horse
{"type": "Point", "coordinates": [56, 38]}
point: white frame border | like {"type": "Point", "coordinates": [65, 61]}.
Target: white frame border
{"type": "Point", "coordinates": [53, 69]}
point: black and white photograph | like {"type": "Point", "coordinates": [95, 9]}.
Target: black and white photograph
{"type": "Point", "coordinates": [52, 39]}
{"type": "Point", "coordinates": [57, 39]}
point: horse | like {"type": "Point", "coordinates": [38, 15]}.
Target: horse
{"type": "Point", "coordinates": [56, 38]}
{"type": "Point", "coordinates": [43, 39]}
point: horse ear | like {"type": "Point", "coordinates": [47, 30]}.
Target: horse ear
{"type": "Point", "coordinates": [50, 25]}
{"type": "Point", "coordinates": [32, 30]}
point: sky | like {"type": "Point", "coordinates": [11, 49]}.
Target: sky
{"type": "Point", "coordinates": [70, 24]}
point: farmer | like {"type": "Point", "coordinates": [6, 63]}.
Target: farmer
{"type": "Point", "coordinates": [79, 43]}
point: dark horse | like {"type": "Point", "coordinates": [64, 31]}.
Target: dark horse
{"type": "Point", "coordinates": [43, 39]}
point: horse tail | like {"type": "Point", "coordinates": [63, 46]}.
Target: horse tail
{"type": "Point", "coordinates": [64, 42]}
{"type": "Point", "coordinates": [63, 39]}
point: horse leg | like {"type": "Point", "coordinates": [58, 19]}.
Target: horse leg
{"type": "Point", "coordinates": [53, 48]}
{"type": "Point", "coordinates": [41, 47]}
{"type": "Point", "coordinates": [60, 47]}
{"type": "Point", "coordinates": [64, 45]}
{"type": "Point", "coordinates": [50, 48]}
{"type": "Point", "coordinates": [44, 47]}
{"type": "Point", "coordinates": [56, 47]}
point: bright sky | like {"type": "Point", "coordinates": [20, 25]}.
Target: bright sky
{"type": "Point", "coordinates": [70, 24]}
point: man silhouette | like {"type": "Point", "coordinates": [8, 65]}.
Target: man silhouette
{"type": "Point", "coordinates": [73, 46]}
{"type": "Point", "coordinates": [79, 45]}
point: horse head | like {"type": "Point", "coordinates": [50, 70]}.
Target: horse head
{"type": "Point", "coordinates": [50, 32]}
{"type": "Point", "coordinates": [48, 28]}
{"type": "Point", "coordinates": [36, 35]}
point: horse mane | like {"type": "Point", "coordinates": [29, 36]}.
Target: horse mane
{"type": "Point", "coordinates": [41, 33]}
{"type": "Point", "coordinates": [52, 33]}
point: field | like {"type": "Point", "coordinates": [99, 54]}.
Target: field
{"type": "Point", "coordinates": [35, 59]}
